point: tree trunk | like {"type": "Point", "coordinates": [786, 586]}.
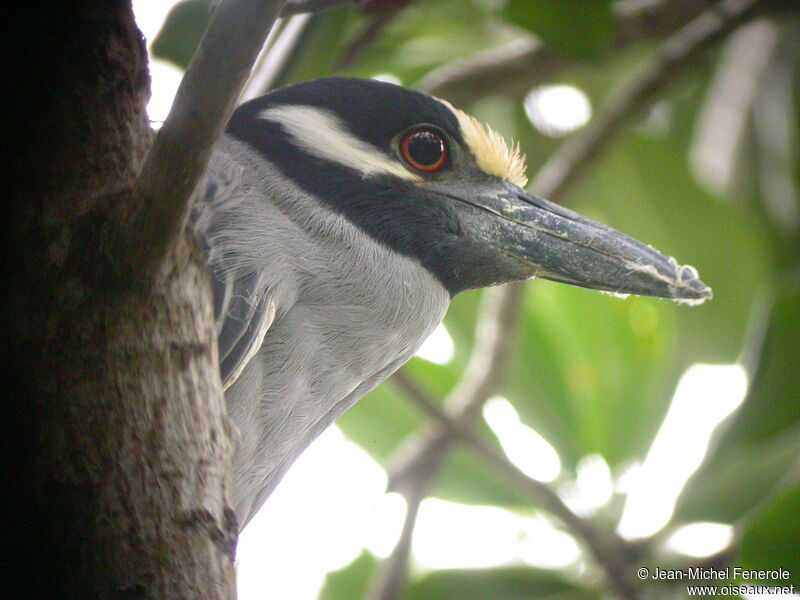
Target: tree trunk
{"type": "Point", "coordinates": [117, 444]}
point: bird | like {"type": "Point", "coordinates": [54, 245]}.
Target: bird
{"type": "Point", "coordinates": [338, 217]}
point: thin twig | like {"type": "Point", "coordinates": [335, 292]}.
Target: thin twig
{"type": "Point", "coordinates": [369, 35]}
{"type": "Point", "coordinates": [519, 65]}
{"type": "Point", "coordinates": [604, 550]}
{"type": "Point", "coordinates": [179, 155]}
{"type": "Point", "coordinates": [563, 168]}
{"type": "Point", "coordinates": [672, 57]}
{"type": "Point", "coordinates": [390, 583]}
{"type": "Point", "coordinates": [282, 49]}
{"type": "Point", "coordinates": [510, 69]}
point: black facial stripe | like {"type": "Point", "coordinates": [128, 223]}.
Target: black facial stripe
{"type": "Point", "coordinates": [395, 108]}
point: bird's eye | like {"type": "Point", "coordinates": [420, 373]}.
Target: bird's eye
{"type": "Point", "coordinates": [424, 149]}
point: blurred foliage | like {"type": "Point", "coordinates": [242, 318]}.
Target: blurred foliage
{"type": "Point", "coordinates": [427, 35]}
{"type": "Point", "coordinates": [771, 536]}
{"type": "Point", "coordinates": [592, 373]}
{"type": "Point", "coordinates": [352, 581]}
{"type": "Point", "coordinates": [507, 583]}
{"type": "Point", "coordinates": [515, 583]}
{"type": "Point", "coordinates": [182, 31]}
{"type": "Point", "coordinates": [580, 27]}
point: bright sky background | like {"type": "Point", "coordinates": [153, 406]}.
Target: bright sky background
{"type": "Point", "coordinates": [331, 506]}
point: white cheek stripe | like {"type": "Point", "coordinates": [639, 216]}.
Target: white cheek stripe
{"type": "Point", "coordinates": [321, 133]}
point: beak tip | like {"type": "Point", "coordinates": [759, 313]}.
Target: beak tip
{"type": "Point", "coordinates": [690, 289]}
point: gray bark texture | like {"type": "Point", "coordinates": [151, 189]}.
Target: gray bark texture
{"type": "Point", "coordinates": [116, 443]}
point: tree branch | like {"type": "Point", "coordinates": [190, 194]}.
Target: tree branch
{"type": "Point", "coordinates": [672, 58]}
{"type": "Point", "coordinates": [181, 151]}
{"type": "Point", "coordinates": [390, 582]}
{"type": "Point", "coordinates": [517, 66]}
{"type": "Point", "coordinates": [280, 51]}
{"type": "Point", "coordinates": [510, 69]}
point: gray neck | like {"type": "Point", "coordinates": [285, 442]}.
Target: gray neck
{"type": "Point", "coordinates": [349, 312]}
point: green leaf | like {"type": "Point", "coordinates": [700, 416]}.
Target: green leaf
{"type": "Point", "coordinates": [509, 583]}
{"type": "Point", "coordinates": [320, 48]}
{"type": "Point", "coordinates": [460, 322]}
{"type": "Point", "coordinates": [771, 539]}
{"type": "Point", "coordinates": [381, 421]}
{"type": "Point", "coordinates": [351, 582]}
{"type": "Point", "coordinates": [759, 445]}
{"type": "Point", "coordinates": [465, 478]}
{"type": "Point", "coordinates": [425, 35]}
{"type": "Point", "coordinates": [737, 477]}
{"type": "Point", "coordinates": [182, 31]}
{"type": "Point", "coordinates": [589, 375]}
{"type": "Point", "coordinates": [772, 405]}
{"type": "Point", "coordinates": [579, 27]}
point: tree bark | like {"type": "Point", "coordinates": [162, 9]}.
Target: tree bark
{"type": "Point", "coordinates": [116, 441]}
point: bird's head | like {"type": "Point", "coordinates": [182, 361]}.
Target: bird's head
{"type": "Point", "coordinates": [432, 183]}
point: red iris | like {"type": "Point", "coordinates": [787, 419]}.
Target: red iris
{"type": "Point", "coordinates": [425, 150]}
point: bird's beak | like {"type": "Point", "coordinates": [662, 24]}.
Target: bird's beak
{"type": "Point", "coordinates": [555, 243]}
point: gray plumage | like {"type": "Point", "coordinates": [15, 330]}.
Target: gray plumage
{"type": "Point", "coordinates": [336, 293]}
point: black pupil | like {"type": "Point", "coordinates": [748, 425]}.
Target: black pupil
{"type": "Point", "coordinates": [425, 148]}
